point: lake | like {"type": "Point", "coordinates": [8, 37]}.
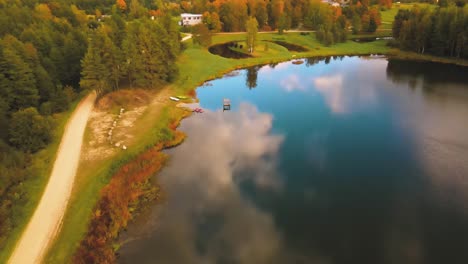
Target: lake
{"type": "Point", "coordinates": [337, 160]}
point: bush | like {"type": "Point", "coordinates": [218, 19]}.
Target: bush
{"type": "Point", "coordinates": [201, 35]}
{"type": "Point", "coordinates": [29, 130]}
{"type": "Point", "coordinates": [46, 108]}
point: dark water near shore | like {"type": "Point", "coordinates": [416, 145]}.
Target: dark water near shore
{"type": "Point", "coordinates": [348, 160]}
{"type": "Point", "coordinates": [225, 50]}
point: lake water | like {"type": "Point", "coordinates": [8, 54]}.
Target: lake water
{"type": "Point", "coordinates": [337, 160]}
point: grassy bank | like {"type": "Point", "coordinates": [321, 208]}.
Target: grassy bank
{"type": "Point", "coordinates": [92, 177]}
{"type": "Point", "coordinates": [33, 187]}
{"type": "Point", "coordinates": [129, 189]}
{"type": "Point", "coordinates": [198, 65]}
{"type": "Point", "coordinates": [407, 55]}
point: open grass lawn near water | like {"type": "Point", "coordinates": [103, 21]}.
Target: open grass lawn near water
{"type": "Point", "coordinates": [389, 15]}
{"type": "Point", "coordinates": [198, 65]}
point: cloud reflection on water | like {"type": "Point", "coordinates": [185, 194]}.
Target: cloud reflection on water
{"type": "Point", "coordinates": [332, 89]}
{"type": "Point", "coordinates": [292, 83]}
{"type": "Point", "coordinates": [342, 89]}
{"type": "Point", "coordinates": [369, 191]}
{"type": "Point", "coordinates": [205, 218]}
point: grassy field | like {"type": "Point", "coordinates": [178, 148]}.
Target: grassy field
{"type": "Point", "coordinates": [406, 55]}
{"type": "Point", "coordinates": [389, 15]}
{"type": "Point", "coordinates": [41, 166]}
{"type": "Point", "coordinates": [198, 65]}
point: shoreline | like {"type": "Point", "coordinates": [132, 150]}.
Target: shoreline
{"type": "Point", "coordinates": [398, 54]}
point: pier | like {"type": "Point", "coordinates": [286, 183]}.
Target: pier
{"type": "Point", "coordinates": [226, 104]}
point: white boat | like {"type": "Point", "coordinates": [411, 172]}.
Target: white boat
{"type": "Point", "coordinates": [174, 99]}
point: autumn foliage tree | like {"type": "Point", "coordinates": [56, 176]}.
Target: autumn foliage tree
{"type": "Point", "coordinates": [201, 35]}
{"type": "Point", "coordinates": [212, 21]}
{"type": "Point", "coordinates": [386, 3]}
{"type": "Point", "coordinates": [121, 5]}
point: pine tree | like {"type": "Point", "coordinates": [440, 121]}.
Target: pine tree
{"type": "Point", "coordinates": [29, 130]}
{"type": "Point", "coordinates": [372, 25]}
{"type": "Point", "coordinates": [17, 81]}
{"type": "Point", "coordinates": [95, 75]}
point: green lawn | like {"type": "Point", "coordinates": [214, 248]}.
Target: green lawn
{"type": "Point", "coordinates": [389, 15]}
{"type": "Point", "coordinates": [198, 65]}
{"type": "Point", "coordinates": [41, 167]}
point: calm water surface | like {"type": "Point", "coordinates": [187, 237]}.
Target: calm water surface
{"type": "Point", "coordinates": [346, 160]}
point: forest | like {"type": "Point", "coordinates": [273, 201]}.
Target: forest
{"type": "Point", "coordinates": [140, 53]}
{"type": "Point", "coordinates": [41, 46]}
{"type": "Point", "coordinates": [440, 32]}
{"type": "Point", "coordinates": [50, 51]}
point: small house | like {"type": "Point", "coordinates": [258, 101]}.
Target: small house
{"type": "Point", "coordinates": [190, 19]}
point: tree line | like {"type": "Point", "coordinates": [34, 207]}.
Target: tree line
{"type": "Point", "coordinates": [50, 51]}
{"type": "Point", "coordinates": [41, 46]}
{"type": "Point", "coordinates": [138, 53]}
{"type": "Point", "coordinates": [440, 32]}
{"type": "Point", "coordinates": [331, 22]}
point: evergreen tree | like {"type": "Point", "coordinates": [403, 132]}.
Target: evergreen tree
{"type": "Point", "coordinates": [29, 131]}
{"type": "Point", "coordinates": [17, 81]}
{"type": "Point", "coordinates": [372, 25]}
{"type": "Point", "coordinates": [95, 75]}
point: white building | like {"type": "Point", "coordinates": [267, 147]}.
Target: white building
{"type": "Point", "coordinates": [335, 3]}
{"type": "Point", "coordinates": [190, 19]}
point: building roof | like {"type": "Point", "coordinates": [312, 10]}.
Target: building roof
{"type": "Point", "coordinates": [188, 14]}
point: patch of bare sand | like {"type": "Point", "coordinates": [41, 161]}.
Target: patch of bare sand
{"type": "Point", "coordinates": [100, 144]}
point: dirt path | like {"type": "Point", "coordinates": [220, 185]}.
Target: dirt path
{"type": "Point", "coordinates": [189, 36]}
{"type": "Point", "coordinates": [47, 218]}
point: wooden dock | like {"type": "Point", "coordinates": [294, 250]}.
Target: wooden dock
{"type": "Point", "coordinates": [226, 104]}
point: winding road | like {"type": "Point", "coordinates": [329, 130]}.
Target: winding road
{"type": "Point", "coordinates": [47, 218]}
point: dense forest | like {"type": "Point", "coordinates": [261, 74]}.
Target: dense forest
{"type": "Point", "coordinates": [41, 46]}
{"type": "Point", "coordinates": [52, 50]}
{"type": "Point", "coordinates": [440, 32]}
{"type": "Point", "coordinates": [139, 53]}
